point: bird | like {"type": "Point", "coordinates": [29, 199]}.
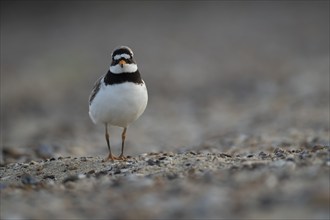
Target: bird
{"type": "Point", "coordinates": [118, 97]}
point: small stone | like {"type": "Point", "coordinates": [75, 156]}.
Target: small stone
{"type": "Point", "coordinates": [13, 152]}
{"type": "Point", "coordinates": [73, 178]}
{"type": "Point", "coordinates": [304, 154]}
{"type": "Point", "coordinates": [124, 170]}
{"type": "Point", "coordinates": [117, 171]}
{"type": "Point", "coordinates": [263, 155]}
{"type": "Point", "coordinates": [91, 172]}
{"type": "Point", "coordinates": [70, 179]}
{"type": "Point", "coordinates": [172, 176]}
{"type": "Point", "coordinates": [45, 151]}
{"type": "Point", "coordinates": [27, 179]}
{"type": "Point", "coordinates": [84, 159]}
{"type": "Point", "coordinates": [290, 158]}
{"type": "Point", "coordinates": [33, 162]}
{"type": "Point", "coordinates": [317, 147]}
{"type": "Point", "coordinates": [49, 177]}
{"type": "Point", "coordinates": [71, 166]}
{"type": "Point", "coordinates": [151, 162]}
{"type": "Point", "coordinates": [101, 173]}
{"type": "Point", "coordinates": [279, 153]}
{"type": "Point", "coordinates": [223, 155]}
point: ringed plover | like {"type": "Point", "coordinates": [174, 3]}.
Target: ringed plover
{"type": "Point", "coordinates": [119, 97]}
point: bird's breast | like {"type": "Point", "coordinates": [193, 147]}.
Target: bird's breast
{"type": "Point", "coordinates": [119, 104]}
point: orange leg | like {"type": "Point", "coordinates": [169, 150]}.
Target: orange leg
{"type": "Point", "coordinates": [110, 156]}
{"type": "Point", "coordinates": [123, 136]}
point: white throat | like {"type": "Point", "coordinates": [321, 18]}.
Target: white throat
{"type": "Point", "coordinates": [127, 68]}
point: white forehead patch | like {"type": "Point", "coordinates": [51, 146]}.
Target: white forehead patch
{"type": "Point", "coordinates": [127, 68]}
{"type": "Point", "coordinates": [124, 55]}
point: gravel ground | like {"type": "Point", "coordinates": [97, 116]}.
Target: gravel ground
{"type": "Point", "coordinates": [237, 124]}
{"type": "Point", "coordinates": [258, 181]}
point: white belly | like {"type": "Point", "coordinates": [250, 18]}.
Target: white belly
{"type": "Point", "coordinates": [119, 104]}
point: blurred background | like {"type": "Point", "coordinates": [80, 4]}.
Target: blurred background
{"type": "Point", "coordinates": [212, 69]}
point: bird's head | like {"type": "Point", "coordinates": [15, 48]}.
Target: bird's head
{"type": "Point", "coordinates": [122, 61]}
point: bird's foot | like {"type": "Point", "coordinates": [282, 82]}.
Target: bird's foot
{"type": "Point", "coordinates": [122, 157]}
{"type": "Point", "coordinates": [110, 157]}
{"type": "Point", "coordinates": [113, 158]}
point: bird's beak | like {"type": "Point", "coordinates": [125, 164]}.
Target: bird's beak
{"type": "Point", "coordinates": [122, 62]}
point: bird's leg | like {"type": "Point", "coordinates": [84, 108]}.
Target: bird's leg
{"type": "Point", "coordinates": [123, 136]}
{"type": "Point", "coordinates": [110, 156]}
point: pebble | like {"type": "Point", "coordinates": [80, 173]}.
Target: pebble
{"type": "Point", "coordinates": [45, 151]}
{"type": "Point", "coordinates": [49, 177]}
{"type": "Point", "coordinates": [28, 179]}
{"type": "Point", "coordinates": [74, 178]}
{"type": "Point", "coordinates": [83, 159]}
{"type": "Point", "coordinates": [279, 153]}
{"type": "Point", "coordinates": [152, 162]}
{"type": "Point", "coordinates": [223, 155]}
{"type": "Point", "coordinates": [263, 155]}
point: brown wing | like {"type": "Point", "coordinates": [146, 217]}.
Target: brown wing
{"type": "Point", "coordinates": [96, 88]}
